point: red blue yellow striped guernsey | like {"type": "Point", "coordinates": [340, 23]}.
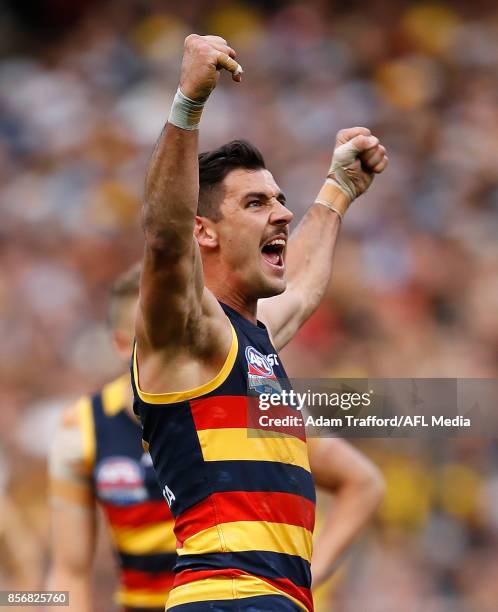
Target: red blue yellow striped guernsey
{"type": "Point", "coordinates": [243, 505]}
{"type": "Point", "coordinates": [126, 488]}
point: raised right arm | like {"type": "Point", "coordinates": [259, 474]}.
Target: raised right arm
{"type": "Point", "coordinates": [172, 274]}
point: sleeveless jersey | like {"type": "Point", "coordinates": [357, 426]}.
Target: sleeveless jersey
{"type": "Point", "coordinates": [126, 488]}
{"type": "Point", "coordinates": [243, 505]}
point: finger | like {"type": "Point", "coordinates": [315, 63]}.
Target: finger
{"type": "Point", "coordinates": [381, 166]}
{"type": "Point", "coordinates": [369, 153]}
{"type": "Point", "coordinates": [349, 133]}
{"type": "Point", "coordinates": [363, 143]}
{"type": "Point", "coordinates": [372, 157]}
{"type": "Point", "coordinates": [217, 40]}
{"type": "Point", "coordinates": [226, 62]}
{"type": "Point", "coordinates": [224, 48]}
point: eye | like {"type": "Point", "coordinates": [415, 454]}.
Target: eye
{"type": "Point", "coordinates": [253, 204]}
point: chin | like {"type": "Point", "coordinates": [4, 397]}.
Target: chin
{"type": "Point", "coordinates": [273, 287]}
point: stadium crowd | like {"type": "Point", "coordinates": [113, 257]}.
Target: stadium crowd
{"type": "Point", "coordinates": [414, 292]}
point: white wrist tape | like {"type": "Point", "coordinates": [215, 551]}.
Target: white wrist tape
{"type": "Point", "coordinates": [185, 113]}
{"type": "Point", "coordinates": [328, 197]}
{"type": "Point", "coordinates": [344, 156]}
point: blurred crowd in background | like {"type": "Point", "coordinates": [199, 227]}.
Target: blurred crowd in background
{"type": "Point", "coordinates": [85, 88]}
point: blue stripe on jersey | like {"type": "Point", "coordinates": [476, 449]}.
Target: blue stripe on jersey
{"type": "Point", "coordinates": [256, 562]}
{"type": "Point", "coordinates": [172, 429]}
{"type": "Point", "coordinates": [154, 563]}
{"type": "Point", "coordinates": [260, 476]}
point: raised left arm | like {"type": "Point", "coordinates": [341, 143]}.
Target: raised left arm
{"type": "Point", "coordinates": [358, 156]}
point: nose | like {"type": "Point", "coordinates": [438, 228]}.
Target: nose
{"type": "Point", "coordinates": [280, 215]}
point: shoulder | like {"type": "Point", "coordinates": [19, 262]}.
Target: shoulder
{"type": "Point", "coordinates": [73, 414]}
{"type": "Point", "coordinates": [72, 450]}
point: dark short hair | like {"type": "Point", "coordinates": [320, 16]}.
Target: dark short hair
{"type": "Point", "coordinates": [214, 167]}
{"type": "Point", "coordinates": [126, 286]}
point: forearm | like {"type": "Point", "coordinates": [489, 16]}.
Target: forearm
{"type": "Point", "coordinates": [78, 585]}
{"type": "Point", "coordinates": [172, 189]}
{"type": "Point", "coordinates": [309, 267]}
{"type": "Point", "coordinates": [358, 487]}
{"type": "Point", "coordinates": [310, 256]}
{"type": "Point", "coordinates": [353, 507]}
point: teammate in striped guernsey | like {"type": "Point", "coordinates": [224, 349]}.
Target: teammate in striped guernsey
{"type": "Point", "coordinates": [97, 455]}
{"type": "Point", "coordinates": [216, 231]}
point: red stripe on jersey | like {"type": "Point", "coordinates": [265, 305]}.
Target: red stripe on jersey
{"type": "Point", "coordinates": [235, 412]}
{"type": "Point", "coordinates": [220, 412]}
{"type": "Point", "coordinates": [138, 515]}
{"type": "Point", "coordinates": [232, 506]}
{"type": "Point", "coordinates": [188, 576]}
{"type": "Point", "coordinates": [134, 580]}
{"type": "Point", "coordinates": [302, 594]}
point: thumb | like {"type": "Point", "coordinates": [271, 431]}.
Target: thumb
{"type": "Point", "coordinates": [363, 143]}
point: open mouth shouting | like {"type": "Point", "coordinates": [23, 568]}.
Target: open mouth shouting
{"type": "Point", "coordinates": [273, 252]}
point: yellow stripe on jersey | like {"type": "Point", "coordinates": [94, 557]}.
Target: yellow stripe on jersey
{"type": "Point", "coordinates": [145, 540]}
{"type": "Point", "coordinates": [141, 599]}
{"type": "Point", "coordinates": [115, 395]}
{"type": "Point", "coordinates": [181, 396]}
{"type": "Point", "coordinates": [235, 444]}
{"type": "Point", "coordinates": [240, 536]}
{"type": "Point", "coordinates": [85, 415]}
{"type": "Point", "coordinates": [224, 588]}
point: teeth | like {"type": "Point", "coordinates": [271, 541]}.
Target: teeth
{"type": "Point", "coordinates": [279, 241]}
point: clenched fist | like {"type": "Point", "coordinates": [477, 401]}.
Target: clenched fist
{"type": "Point", "coordinates": [358, 156]}
{"type": "Point", "coordinates": [203, 58]}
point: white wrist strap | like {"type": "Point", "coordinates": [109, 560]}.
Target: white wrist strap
{"type": "Point", "coordinates": [185, 113]}
{"type": "Point", "coordinates": [330, 207]}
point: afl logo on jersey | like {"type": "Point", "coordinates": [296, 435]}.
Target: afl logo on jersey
{"type": "Point", "coordinates": [260, 375]}
{"type": "Point", "coordinates": [120, 480]}
{"type": "Point", "coordinates": [259, 365]}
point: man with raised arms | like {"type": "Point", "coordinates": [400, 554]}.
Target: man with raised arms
{"type": "Point", "coordinates": [216, 231]}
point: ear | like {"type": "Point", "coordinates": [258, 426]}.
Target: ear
{"type": "Point", "coordinates": [205, 233]}
{"type": "Point", "coordinates": [123, 343]}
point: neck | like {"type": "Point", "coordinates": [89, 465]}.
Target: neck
{"type": "Point", "coordinates": [234, 298]}
{"type": "Point", "coordinates": [248, 309]}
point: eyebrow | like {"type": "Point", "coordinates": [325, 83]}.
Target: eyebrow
{"type": "Point", "coordinates": [260, 195]}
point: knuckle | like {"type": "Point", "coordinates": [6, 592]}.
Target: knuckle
{"type": "Point", "coordinates": [190, 39]}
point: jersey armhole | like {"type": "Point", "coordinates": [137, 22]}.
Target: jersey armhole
{"type": "Point", "coordinates": [181, 396]}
